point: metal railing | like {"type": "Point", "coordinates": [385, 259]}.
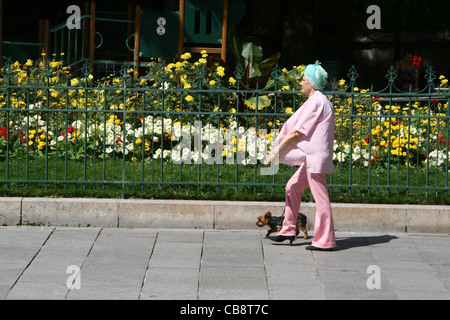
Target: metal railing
{"type": "Point", "coordinates": [195, 128]}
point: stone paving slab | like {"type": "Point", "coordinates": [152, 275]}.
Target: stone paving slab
{"type": "Point", "coordinates": [207, 264]}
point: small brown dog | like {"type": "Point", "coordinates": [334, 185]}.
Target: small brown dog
{"type": "Point", "coordinates": [275, 223]}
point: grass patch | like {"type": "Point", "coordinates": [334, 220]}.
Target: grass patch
{"type": "Point", "coordinates": [156, 179]}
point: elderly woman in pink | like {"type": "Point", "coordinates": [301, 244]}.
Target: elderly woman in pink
{"type": "Point", "coordinates": [306, 141]}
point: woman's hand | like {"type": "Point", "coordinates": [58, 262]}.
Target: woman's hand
{"type": "Point", "coordinates": [270, 158]}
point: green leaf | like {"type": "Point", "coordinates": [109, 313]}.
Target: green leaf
{"type": "Point", "coordinates": [252, 53]}
{"type": "Point", "coordinates": [236, 46]}
{"type": "Point", "coordinates": [265, 68]}
{"type": "Point", "coordinates": [283, 80]}
{"type": "Point", "coordinates": [261, 101]}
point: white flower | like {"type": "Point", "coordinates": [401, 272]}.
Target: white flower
{"type": "Point", "coordinates": [339, 156]}
{"type": "Point", "coordinates": [157, 154]}
{"type": "Point", "coordinates": [164, 85]}
{"type": "Point", "coordinates": [195, 156]}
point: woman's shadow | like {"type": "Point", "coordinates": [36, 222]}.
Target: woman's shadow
{"type": "Point", "coordinates": [345, 243]}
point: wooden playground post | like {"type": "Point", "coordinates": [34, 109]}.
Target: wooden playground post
{"type": "Point", "coordinates": [1, 31]}
{"type": "Point", "coordinates": [181, 30]}
{"type": "Point", "coordinates": [92, 37]}
{"type": "Point", "coordinates": [223, 52]}
{"type": "Point", "coordinates": [41, 35]}
{"type": "Point", "coordinates": [46, 37]}
{"type": "Point", "coordinates": [136, 41]}
{"type": "Point", "coordinates": [85, 46]}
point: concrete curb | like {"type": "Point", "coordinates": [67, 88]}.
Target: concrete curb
{"type": "Point", "coordinates": [126, 213]}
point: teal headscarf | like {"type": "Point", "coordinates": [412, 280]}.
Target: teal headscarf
{"type": "Point", "coordinates": [316, 75]}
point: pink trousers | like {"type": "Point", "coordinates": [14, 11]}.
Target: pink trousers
{"type": "Point", "coordinates": [324, 236]}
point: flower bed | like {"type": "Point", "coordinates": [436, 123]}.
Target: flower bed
{"type": "Point", "coordinates": [47, 111]}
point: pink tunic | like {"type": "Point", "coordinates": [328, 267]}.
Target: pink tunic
{"type": "Point", "coordinates": [315, 120]}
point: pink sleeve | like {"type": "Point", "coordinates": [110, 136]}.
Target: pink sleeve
{"type": "Point", "coordinates": [309, 118]}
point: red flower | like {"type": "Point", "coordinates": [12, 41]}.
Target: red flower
{"type": "Point", "coordinates": [441, 139]}
{"type": "Point", "coordinates": [4, 132]}
{"type": "Point", "coordinates": [417, 61]}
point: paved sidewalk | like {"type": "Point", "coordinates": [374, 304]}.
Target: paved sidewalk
{"type": "Point", "coordinates": [185, 264]}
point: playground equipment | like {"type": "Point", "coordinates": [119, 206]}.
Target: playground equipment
{"type": "Point", "coordinates": [105, 39]}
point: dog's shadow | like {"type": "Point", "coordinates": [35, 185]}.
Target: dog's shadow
{"type": "Point", "coordinates": [346, 243]}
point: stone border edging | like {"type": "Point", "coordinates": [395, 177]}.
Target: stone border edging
{"type": "Point", "coordinates": [129, 213]}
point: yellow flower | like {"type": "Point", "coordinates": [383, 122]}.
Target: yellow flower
{"type": "Point", "coordinates": [221, 71]}
{"type": "Point", "coordinates": [212, 83]}
{"type": "Point", "coordinates": [232, 81]}
{"type": "Point", "coordinates": [289, 111]}
{"type": "Point", "coordinates": [74, 82]}
{"type": "Point", "coordinates": [147, 145]}
{"type": "Point", "coordinates": [186, 56]}
{"type": "Point", "coordinates": [202, 61]}
{"type": "Point", "coordinates": [169, 67]}
{"type": "Point", "coordinates": [342, 82]}
{"type": "Point", "coordinates": [189, 98]}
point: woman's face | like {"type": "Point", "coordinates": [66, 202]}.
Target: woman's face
{"type": "Point", "coordinates": [307, 88]}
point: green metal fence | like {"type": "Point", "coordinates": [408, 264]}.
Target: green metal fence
{"type": "Point", "coordinates": [193, 129]}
